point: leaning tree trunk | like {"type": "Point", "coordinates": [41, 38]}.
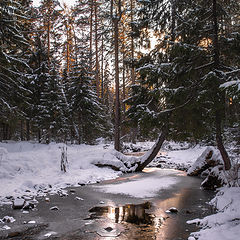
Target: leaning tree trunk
{"type": "Point", "coordinates": [136, 164]}
{"type": "Point", "coordinates": [219, 140]}
{"type": "Point", "coordinates": [151, 154]}
{"type": "Point", "coordinates": [218, 113]}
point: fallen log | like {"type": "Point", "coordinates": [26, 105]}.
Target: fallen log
{"type": "Point", "coordinates": [134, 164]}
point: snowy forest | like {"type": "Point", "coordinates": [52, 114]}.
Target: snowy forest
{"type": "Point", "coordinates": [76, 74]}
{"type": "Point", "coordinates": [83, 86]}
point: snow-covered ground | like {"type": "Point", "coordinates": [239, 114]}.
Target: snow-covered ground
{"type": "Point", "coordinates": [176, 156]}
{"type": "Point", "coordinates": [225, 224]}
{"type": "Point", "coordinates": [34, 169]}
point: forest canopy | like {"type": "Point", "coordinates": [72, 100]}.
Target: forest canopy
{"type": "Point", "coordinates": [119, 69]}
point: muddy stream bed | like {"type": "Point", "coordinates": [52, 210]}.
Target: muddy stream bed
{"type": "Point", "coordinates": [91, 212]}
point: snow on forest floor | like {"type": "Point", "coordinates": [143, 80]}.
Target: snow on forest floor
{"type": "Point", "coordinates": [33, 169]}
{"type": "Point", "coordinates": [225, 224]}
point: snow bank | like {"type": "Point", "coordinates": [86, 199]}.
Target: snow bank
{"type": "Point", "coordinates": [182, 157]}
{"type": "Point", "coordinates": [137, 147]}
{"type": "Point", "coordinates": [209, 158]}
{"type": "Point", "coordinates": [186, 156]}
{"type": "Point", "coordinates": [225, 224]}
{"type": "Point", "coordinates": [34, 169]}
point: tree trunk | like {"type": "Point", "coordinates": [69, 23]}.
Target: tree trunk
{"type": "Point", "coordinates": [219, 99]}
{"type": "Point", "coordinates": [117, 100]}
{"type": "Point", "coordinates": [48, 43]}
{"type": "Point", "coordinates": [96, 49]}
{"type": "Point", "coordinates": [68, 47]}
{"type": "Point", "coordinates": [132, 48]}
{"type": "Point", "coordinates": [102, 71]}
{"type": "Point", "coordinates": [123, 129]}
{"type": "Point", "coordinates": [123, 86]}
{"type": "Point", "coordinates": [5, 131]}
{"type": "Point", "coordinates": [151, 154]}
{"type": "Point", "coordinates": [134, 130]}
{"type": "Point", "coordinates": [75, 45]}
{"type": "Point", "coordinates": [48, 136]}
{"type": "Point", "coordinates": [215, 35]}
{"type": "Point", "coordinates": [173, 19]}
{"type": "Point", "coordinates": [219, 140]}
{"type": "Point", "coordinates": [27, 130]}
{"type": "Point", "coordinates": [91, 32]}
{"type": "Point", "coordinates": [140, 162]}
{"type": "Point", "coordinates": [80, 135]}
{"type": "Point", "coordinates": [21, 131]}
{"type": "Point", "coordinates": [115, 20]}
{"type": "Point", "coordinates": [1, 132]}
{"type": "Point", "coordinates": [39, 135]}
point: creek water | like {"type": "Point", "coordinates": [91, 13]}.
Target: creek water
{"type": "Point", "coordinates": [106, 215]}
{"type": "Point", "coordinates": [152, 219]}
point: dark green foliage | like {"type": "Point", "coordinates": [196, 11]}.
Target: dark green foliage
{"type": "Point", "coordinates": [47, 80]}
{"type": "Point", "coordinates": [37, 99]}
{"type": "Point", "coordinates": [12, 65]}
{"type": "Point", "coordinates": [180, 76]}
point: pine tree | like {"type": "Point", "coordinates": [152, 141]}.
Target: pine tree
{"type": "Point", "coordinates": [13, 65]}
{"type": "Point", "coordinates": [84, 108]}
{"type": "Point", "coordinates": [182, 75]}
{"type": "Point", "coordinates": [46, 64]}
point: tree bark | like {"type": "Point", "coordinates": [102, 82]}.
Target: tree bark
{"type": "Point", "coordinates": [39, 136]}
{"type": "Point", "coordinates": [117, 98]}
{"type": "Point", "coordinates": [173, 23]}
{"type": "Point", "coordinates": [219, 140]}
{"type": "Point", "coordinates": [215, 34]}
{"type": "Point", "coordinates": [80, 132]}
{"type": "Point", "coordinates": [48, 43]}
{"type": "Point", "coordinates": [140, 162]}
{"type": "Point", "coordinates": [68, 47]}
{"type": "Point", "coordinates": [21, 131]}
{"type": "Point", "coordinates": [96, 49]}
{"type": "Point", "coordinates": [123, 86]}
{"type": "Point", "coordinates": [151, 154]}
{"type": "Point", "coordinates": [132, 48]}
{"type": "Point", "coordinates": [102, 70]}
{"type": "Point", "coordinates": [91, 32]}
{"type": "Point", "coordinates": [134, 130]}
{"type": "Point", "coordinates": [27, 130]}
{"type": "Point", "coordinates": [115, 20]}
{"type": "Point", "coordinates": [218, 95]}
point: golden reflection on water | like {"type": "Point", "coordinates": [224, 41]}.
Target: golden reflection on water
{"type": "Point", "coordinates": [129, 213]}
{"type": "Point", "coordinates": [122, 179]}
{"type": "Point", "coordinates": [144, 221]}
{"type": "Point", "coordinates": [173, 171]}
{"type": "Point", "coordinates": [178, 201]}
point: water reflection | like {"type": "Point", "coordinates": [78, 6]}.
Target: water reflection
{"type": "Point", "coordinates": [136, 220]}
{"type": "Point", "coordinates": [128, 213]}
{"type": "Point", "coordinates": [149, 220]}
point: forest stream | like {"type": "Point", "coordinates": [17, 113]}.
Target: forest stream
{"type": "Point", "coordinates": [92, 212]}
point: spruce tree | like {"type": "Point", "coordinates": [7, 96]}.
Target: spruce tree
{"type": "Point", "coordinates": [13, 64]}
{"type": "Point", "coordinates": [182, 75]}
